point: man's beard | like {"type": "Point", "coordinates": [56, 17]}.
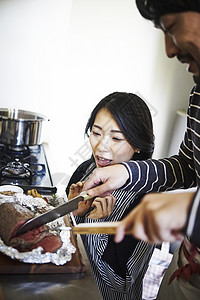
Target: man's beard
{"type": "Point", "coordinates": [183, 57]}
{"type": "Point", "coordinates": [196, 78]}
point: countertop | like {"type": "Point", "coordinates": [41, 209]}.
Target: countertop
{"type": "Point", "coordinates": [51, 286]}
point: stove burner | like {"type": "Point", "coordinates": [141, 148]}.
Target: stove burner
{"type": "Point", "coordinates": [16, 148]}
{"type": "Point", "coordinates": [16, 167]}
{"type": "Point", "coordinates": [9, 154]}
{"type": "Point", "coordinates": [26, 167]}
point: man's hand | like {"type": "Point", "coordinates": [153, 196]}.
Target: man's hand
{"type": "Point", "coordinates": [159, 217]}
{"type": "Point", "coordinates": [104, 181]}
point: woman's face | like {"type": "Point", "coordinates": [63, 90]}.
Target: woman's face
{"type": "Point", "coordinates": [108, 144]}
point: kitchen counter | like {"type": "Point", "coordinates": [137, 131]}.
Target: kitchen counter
{"type": "Point", "coordinates": [51, 286]}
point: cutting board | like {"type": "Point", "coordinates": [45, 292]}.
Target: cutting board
{"type": "Point", "coordinates": [10, 266]}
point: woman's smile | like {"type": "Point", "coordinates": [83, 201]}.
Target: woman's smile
{"type": "Point", "coordinates": [102, 162]}
{"type": "Point", "coordinates": [108, 143]}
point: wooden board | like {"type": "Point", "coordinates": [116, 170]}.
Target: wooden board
{"type": "Point", "coordinates": [10, 266]}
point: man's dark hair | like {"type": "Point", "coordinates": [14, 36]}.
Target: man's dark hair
{"type": "Point", "coordinates": [154, 9]}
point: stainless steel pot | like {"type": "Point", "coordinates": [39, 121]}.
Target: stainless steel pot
{"type": "Point", "coordinates": [20, 127]}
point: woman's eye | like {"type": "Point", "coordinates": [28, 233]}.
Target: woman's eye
{"type": "Point", "coordinates": [96, 133]}
{"type": "Point", "coordinates": [117, 139]}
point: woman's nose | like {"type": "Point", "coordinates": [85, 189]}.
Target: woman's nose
{"type": "Point", "coordinates": [170, 47]}
{"type": "Point", "coordinates": [104, 144]}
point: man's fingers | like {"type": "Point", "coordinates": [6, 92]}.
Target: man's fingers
{"type": "Point", "coordinates": [100, 190]}
{"type": "Point", "coordinates": [119, 236]}
{"type": "Point", "coordinates": [133, 223]}
{"type": "Point", "coordinates": [105, 180]}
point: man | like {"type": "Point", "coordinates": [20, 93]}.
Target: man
{"type": "Point", "coordinates": [164, 216]}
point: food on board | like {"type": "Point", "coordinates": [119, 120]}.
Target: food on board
{"type": "Point", "coordinates": [34, 193]}
{"type": "Point", "coordinates": [12, 216]}
{"type": "Point", "coordinates": [7, 193]}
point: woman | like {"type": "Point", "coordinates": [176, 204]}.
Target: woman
{"type": "Point", "coordinates": [119, 129]}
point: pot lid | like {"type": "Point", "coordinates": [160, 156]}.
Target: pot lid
{"type": "Point", "coordinates": [18, 114]}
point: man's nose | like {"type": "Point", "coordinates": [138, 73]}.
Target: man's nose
{"type": "Point", "coordinates": [170, 47]}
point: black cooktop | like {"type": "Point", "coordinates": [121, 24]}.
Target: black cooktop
{"type": "Point", "coordinates": [26, 167]}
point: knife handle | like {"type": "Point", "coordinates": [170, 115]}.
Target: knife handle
{"type": "Point", "coordinates": [85, 196]}
{"type": "Point", "coordinates": [97, 228]}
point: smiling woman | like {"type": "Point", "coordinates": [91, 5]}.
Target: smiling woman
{"type": "Point", "coordinates": [119, 129]}
{"type": "Point", "coordinates": [108, 143]}
{"type": "Point", "coordinates": [127, 119]}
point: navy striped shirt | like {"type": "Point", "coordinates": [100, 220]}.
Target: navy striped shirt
{"type": "Point", "coordinates": [176, 172]}
{"type": "Point", "coordinates": [119, 269]}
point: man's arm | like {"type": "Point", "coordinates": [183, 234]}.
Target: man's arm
{"type": "Point", "coordinates": [141, 177]}
{"type": "Point", "coordinates": [193, 224]}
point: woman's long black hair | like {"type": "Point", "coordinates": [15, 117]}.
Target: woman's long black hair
{"type": "Point", "coordinates": [133, 118]}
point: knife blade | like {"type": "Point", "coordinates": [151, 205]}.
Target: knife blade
{"type": "Point", "coordinates": [53, 214]}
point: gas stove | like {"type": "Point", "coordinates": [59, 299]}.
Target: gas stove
{"type": "Point", "coordinates": [26, 167]}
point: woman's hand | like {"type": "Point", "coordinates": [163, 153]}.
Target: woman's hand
{"type": "Point", "coordinates": [83, 206]}
{"type": "Point", "coordinates": [103, 207]}
{"type": "Point", "coordinates": [75, 189]}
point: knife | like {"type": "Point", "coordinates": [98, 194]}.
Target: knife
{"type": "Point", "coordinates": [53, 214]}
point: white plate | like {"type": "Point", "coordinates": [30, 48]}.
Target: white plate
{"type": "Point", "coordinates": [12, 188]}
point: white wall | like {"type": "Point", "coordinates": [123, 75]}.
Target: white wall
{"type": "Point", "coordinates": [178, 132]}
{"type": "Point", "coordinates": [60, 57]}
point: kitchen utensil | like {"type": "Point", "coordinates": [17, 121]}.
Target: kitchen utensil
{"type": "Point", "coordinates": [91, 228]}
{"type": "Point", "coordinates": [97, 228]}
{"type": "Point", "coordinates": [20, 127]}
{"type": "Point", "coordinates": [53, 214]}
